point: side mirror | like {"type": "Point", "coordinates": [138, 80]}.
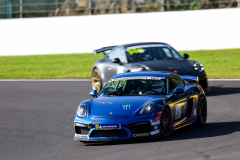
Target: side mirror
{"type": "Point", "coordinates": [178, 91]}
{"type": "Point", "coordinates": [94, 93]}
{"type": "Point", "coordinates": [186, 56]}
{"type": "Point", "coordinates": [116, 60]}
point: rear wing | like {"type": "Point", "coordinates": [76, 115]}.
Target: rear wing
{"type": "Point", "coordinates": [190, 79]}
{"type": "Point", "coordinates": [95, 52]}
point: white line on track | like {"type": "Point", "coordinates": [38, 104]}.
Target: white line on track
{"type": "Point", "coordinates": [72, 80]}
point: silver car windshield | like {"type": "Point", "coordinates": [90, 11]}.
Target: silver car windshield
{"type": "Point", "coordinates": [138, 87]}
{"type": "Point", "coordinates": [151, 53]}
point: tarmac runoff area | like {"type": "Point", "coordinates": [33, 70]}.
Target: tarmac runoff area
{"type": "Point", "coordinates": [36, 122]}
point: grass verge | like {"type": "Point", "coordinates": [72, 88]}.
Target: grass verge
{"type": "Point", "coordinates": [217, 63]}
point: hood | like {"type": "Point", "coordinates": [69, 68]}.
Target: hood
{"type": "Point", "coordinates": [182, 66]}
{"type": "Point", "coordinates": [118, 106]}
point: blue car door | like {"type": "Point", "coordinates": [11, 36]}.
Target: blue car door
{"type": "Point", "coordinates": [177, 103]}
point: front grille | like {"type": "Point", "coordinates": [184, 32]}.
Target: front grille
{"type": "Point", "coordinates": [109, 133]}
{"type": "Point", "coordinates": [142, 127]}
{"type": "Point", "coordinates": [81, 130]}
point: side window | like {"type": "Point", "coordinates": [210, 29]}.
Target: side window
{"type": "Point", "coordinates": [181, 84]}
{"type": "Point", "coordinates": [175, 81]}
{"type": "Point", "coordinates": [175, 54]}
{"type": "Point", "coordinates": [111, 55]}
{"type": "Point", "coordinates": [120, 53]}
{"type": "Point", "coordinates": [167, 52]}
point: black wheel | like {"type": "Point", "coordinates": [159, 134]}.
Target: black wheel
{"type": "Point", "coordinates": [202, 111]}
{"type": "Point", "coordinates": [166, 123]}
{"type": "Point", "coordinates": [96, 80]}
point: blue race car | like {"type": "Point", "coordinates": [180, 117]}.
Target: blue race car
{"type": "Point", "coordinates": [140, 105]}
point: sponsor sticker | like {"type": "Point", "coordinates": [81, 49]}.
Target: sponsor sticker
{"type": "Point", "coordinates": [80, 136]}
{"type": "Point", "coordinates": [141, 135]}
{"type": "Point", "coordinates": [153, 123]}
{"type": "Point", "coordinates": [108, 126]}
{"type": "Point", "coordinates": [195, 112]}
{"type": "Point", "coordinates": [155, 127]}
{"type": "Point", "coordinates": [124, 79]}
{"type": "Point", "coordinates": [154, 132]}
{"type": "Point", "coordinates": [120, 69]}
{"type": "Point", "coordinates": [126, 107]}
{"type": "Point", "coordinates": [178, 111]}
{"type": "Point", "coordinates": [105, 102]}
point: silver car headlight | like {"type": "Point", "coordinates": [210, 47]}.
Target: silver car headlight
{"type": "Point", "coordinates": [144, 68]}
{"type": "Point", "coordinates": [198, 67]}
{"type": "Point", "coordinates": [147, 109]}
{"type": "Point", "coordinates": [82, 110]}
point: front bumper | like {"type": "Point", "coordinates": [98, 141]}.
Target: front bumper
{"type": "Point", "coordinates": [203, 82]}
{"type": "Point", "coordinates": [146, 128]}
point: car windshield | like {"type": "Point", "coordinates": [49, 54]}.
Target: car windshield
{"type": "Point", "coordinates": [151, 53]}
{"type": "Point", "coordinates": [134, 87]}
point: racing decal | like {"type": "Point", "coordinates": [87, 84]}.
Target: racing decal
{"type": "Point", "coordinates": [183, 126]}
{"type": "Point", "coordinates": [95, 121]}
{"type": "Point", "coordinates": [126, 107]}
{"type": "Point", "coordinates": [108, 126]}
{"type": "Point", "coordinates": [153, 123]}
{"type": "Point", "coordinates": [195, 112]}
{"type": "Point", "coordinates": [137, 50]}
{"type": "Point", "coordinates": [114, 83]}
{"type": "Point", "coordinates": [178, 111]}
{"type": "Point", "coordinates": [155, 127]}
{"type": "Point", "coordinates": [132, 78]}
{"type": "Point", "coordinates": [120, 69]}
{"type": "Point", "coordinates": [172, 104]}
{"type": "Point", "coordinates": [141, 134]}
{"type": "Point", "coordinates": [105, 102]}
{"type": "Point", "coordinates": [111, 84]}
{"type": "Point", "coordinates": [180, 121]}
{"type": "Point", "coordinates": [81, 136]}
{"type": "Point", "coordinates": [158, 117]}
{"type": "Point", "coordinates": [154, 132]}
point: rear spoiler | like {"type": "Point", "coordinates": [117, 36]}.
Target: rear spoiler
{"type": "Point", "coordinates": [95, 52]}
{"type": "Point", "coordinates": [190, 79]}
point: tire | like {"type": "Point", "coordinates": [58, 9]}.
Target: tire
{"type": "Point", "coordinates": [96, 80]}
{"type": "Point", "coordinates": [84, 142]}
{"type": "Point", "coordinates": [202, 111]}
{"type": "Point", "coordinates": [166, 123]}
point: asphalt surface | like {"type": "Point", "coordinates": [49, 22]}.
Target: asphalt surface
{"type": "Point", "coordinates": [36, 122]}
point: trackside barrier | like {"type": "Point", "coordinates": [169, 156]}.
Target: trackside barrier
{"type": "Point", "coordinates": [184, 30]}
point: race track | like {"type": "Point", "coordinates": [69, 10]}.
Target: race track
{"type": "Point", "coordinates": [36, 122]}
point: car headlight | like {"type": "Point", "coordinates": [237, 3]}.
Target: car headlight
{"type": "Point", "coordinates": [147, 109]}
{"type": "Point", "coordinates": [144, 68]}
{"type": "Point", "coordinates": [82, 110]}
{"type": "Point", "coordinates": [198, 67]}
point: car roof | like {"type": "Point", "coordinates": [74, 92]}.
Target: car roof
{"type": "Point", "coordinates": [143, 73]}
{"type": "Point", "coordinates": [142, 43]}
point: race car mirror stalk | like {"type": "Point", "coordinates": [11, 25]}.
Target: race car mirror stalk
{"type": "Point", "coordinates": [116, 60]}
{"type": "Point", "coordinates": [94, 93]}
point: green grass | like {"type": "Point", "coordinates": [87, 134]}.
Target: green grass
{"type": "Point", "coordinates": [217, 63]}
{"type": "Point", "coordinates": [47, 66]}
